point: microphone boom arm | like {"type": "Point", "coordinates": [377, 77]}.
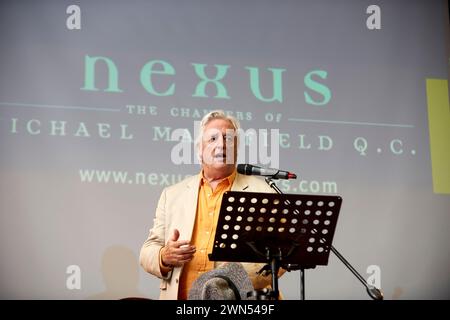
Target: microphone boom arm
{"type": "Point", "coordinates": [373, 292]}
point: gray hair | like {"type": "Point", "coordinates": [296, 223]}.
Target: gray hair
{"type": "Point", "coordinates": [213, 115]}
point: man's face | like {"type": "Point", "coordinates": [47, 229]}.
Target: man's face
{"type": "Point", "coordinates": [219, 146]}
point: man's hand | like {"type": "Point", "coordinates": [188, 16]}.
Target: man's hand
{"type": "Point", "coordinates": [177, 252]}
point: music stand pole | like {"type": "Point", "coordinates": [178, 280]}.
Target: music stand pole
{"type": "Point", "coordinates": [275, 266]}
{"type": "Point", "coordinates": [272, 184]}
{"type": "Point", "coordinates": [373, 292]}
{"type": "Point", "coordinates": [302, 284]}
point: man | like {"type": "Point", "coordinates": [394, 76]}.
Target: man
{"type": "Point", "coordinates": [177, 247]}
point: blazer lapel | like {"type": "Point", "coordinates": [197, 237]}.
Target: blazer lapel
{"type": "Point", "coordinates": [189, 206]}
{"type": "Point", "coordinates": [240, 183]}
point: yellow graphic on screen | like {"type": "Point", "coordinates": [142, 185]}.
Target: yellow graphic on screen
{"type": "Point", "coordinates": [439, 126]}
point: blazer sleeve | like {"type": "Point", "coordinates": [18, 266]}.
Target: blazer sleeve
{"type": "Point", "coordinates": [149, 255]}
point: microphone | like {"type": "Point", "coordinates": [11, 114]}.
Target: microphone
{"type": "Point", "coordinates": [252, 170]}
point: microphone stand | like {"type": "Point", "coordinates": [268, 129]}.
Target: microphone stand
{"type": "Point", "coordinates": [373, 292]}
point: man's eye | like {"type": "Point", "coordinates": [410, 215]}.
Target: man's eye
{"type": "Point", "coordinates": [212, 139]}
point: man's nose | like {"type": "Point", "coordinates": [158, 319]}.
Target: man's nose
{"type": "Point", "coordinates": [221, 142]}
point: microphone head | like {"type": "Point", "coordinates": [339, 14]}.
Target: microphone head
{"type": "Point", "coordinates": [292, 175]}
{"type": "Point", "coordinates": [244, 169]}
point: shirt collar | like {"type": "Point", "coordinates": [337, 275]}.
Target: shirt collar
{"type": "Point", "coordinates": [230, 178]}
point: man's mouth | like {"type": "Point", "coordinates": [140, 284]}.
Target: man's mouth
{"type": "Point", "coordinates": [220, 156]}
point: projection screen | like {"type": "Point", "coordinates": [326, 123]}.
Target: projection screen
{"type": "Point", "coordinates": [99, 108]}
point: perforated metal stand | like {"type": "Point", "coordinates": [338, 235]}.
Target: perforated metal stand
{"type": "Point", "coordinates": [276, 229]}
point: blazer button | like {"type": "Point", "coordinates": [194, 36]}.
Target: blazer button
{"type": "Point", "coordinates": [176, 280]}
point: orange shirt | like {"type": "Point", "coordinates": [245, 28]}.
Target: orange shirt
{"type": "Point", "coordinates": [208, 208]}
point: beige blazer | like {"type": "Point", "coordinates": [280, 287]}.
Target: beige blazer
{"type": "Point", "coordinates": [177, 207]}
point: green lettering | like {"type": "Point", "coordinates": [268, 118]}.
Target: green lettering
{"type": "Point", "coordinates": [277, 84]}
{"type": "Point", "coordinates": [317, 87]}
{"type": "Point", "coordinates": [200, 89]}
{"type": "Point", "coordinates": [146, 77]}
{"type": "Point", "coordinates": [89, 74]}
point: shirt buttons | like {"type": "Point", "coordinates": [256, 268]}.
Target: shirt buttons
{"type": "Point", "coordinates": [211, 213]}
{"type": "Point", "coordinates": [207, 232]}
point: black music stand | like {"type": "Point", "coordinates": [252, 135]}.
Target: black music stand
{"type": "Point", "coordinates": [277, 229]}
